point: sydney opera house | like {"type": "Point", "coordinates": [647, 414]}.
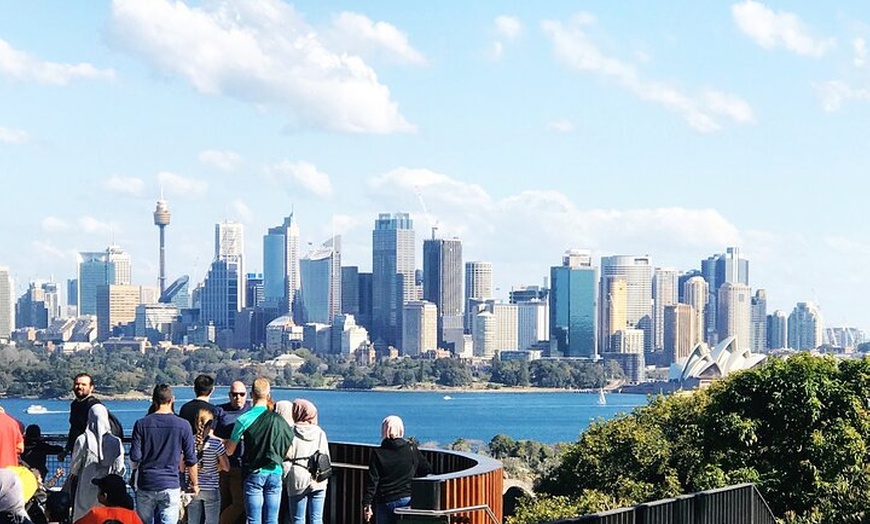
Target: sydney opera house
{"type": "Point", "coordinates": [704, 365]}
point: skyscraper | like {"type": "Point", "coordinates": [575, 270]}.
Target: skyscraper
{"type": "Point", "coordinates": [442, 284]}
{"type": "Point", "coordinates": [777, 329]}
{"type": "Point", "coordinates": [7, 303]}
{"type": "Point", "coordinates": [419, 327]}
{"type": "Point", "coordinates": [478, 286]}
{"type": "Point", "coordinates": [664, 287]}
{"type": "Point", "coordinates": [717, 270]}
{"type": "Point", "coordinates": [734, 310]}
{"type": "Point", "coordinates": [695, 294]}
{"type": "Point", "coordinates": [223, 292]}
{"type": "Point", "coordinates": [116, 305]}
{"type": "Point", "coordinates": [320, 290]}
{"type": "Point", "coordinates": [281, 265]}
{"type": "Point", "coordinates": [758, 322]}
{"type": "Point", "coordinates": [680, 338]}
{"type": "Point", "coordinates": [636, 271]}
{"type": "Point", "coordinates": [161, 220]}
{"type": "Point", "coordinates": [101, 268]}
{"type": "Point", "coordinates": [572, 306]}
{"type": "Point", "coordinates": [805, 326]}
{"type": "Point", "coordinates": [393, 267]}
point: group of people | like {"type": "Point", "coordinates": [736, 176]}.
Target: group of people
{"type": "Point", "coordinates": [245, 460]}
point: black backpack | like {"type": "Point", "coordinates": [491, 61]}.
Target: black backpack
{"type": "Point", "coordinates": [319, 466]}
{"type": "Point", "coordinates": [115, 426]}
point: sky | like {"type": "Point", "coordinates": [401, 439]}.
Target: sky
{"type": "Point", "coordinates": [670, 129]}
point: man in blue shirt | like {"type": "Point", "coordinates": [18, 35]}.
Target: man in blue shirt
{"type": "Point", "coordinates": [267, 437]}
{"type": "Point", "coordinates": [159, 439]}
{"type": "Point", "coordinates": [232, 495]}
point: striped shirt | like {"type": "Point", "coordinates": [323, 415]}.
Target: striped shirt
{"type": "Point", "coordinates": [208, 463]}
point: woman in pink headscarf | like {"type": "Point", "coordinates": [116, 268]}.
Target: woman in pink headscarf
{"type": "Point", "coordinates": [391, 469]}
{"type": "Point", "coordinates": [306, 495]}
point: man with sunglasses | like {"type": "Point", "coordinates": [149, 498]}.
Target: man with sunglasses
{"type": "Point", "coordinates": [232, 494]}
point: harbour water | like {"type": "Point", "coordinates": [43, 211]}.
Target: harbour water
{"type": "Point", "coordinates": [430, 416]}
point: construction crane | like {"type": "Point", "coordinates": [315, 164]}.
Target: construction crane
{"type": "Point", "coordinates": [433, 225]}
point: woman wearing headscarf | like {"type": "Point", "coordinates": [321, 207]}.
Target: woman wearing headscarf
{"type": "Point", "coordinates": [306, 495]}
{"type": "Point", "coordinates": [96, 454]}
{"type": "Point", "coordinates": [391, 468]}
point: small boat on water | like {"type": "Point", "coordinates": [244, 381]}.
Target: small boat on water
{"type": "Point", "coordinates": [447, 397]}
{"type": "Point", "coordinates": [36, 409]}
{"type": "Point", "coordinates": [602, 400]}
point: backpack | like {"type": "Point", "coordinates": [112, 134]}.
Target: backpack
{"type": "Point", "coordinates": [115, 426]}
{"type": "Point", "coordinates": [319, 466]}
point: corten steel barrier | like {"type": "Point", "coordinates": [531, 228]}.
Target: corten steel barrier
{"type": "Point", "coordinates": [738, 504]}
{"type": "Point", "coordinates": [459, 480]}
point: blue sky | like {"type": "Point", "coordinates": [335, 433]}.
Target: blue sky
{"type": "Point", "coordinates": [672, 129]}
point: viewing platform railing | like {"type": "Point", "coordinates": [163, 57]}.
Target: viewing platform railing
{"type": "Point", "coordinates": [464, 487]}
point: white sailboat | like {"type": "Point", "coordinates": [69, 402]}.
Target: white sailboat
{"type": "Point", "coordinates": [602, 400]}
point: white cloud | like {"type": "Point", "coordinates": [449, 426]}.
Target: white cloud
{"type": "Point", "coordinates": [258, 52]}
{"type": "Point", "coordinates": [834, 94]}
{"type": "Point", "coordinates": [357, 34]}
{"type": "Point", "coordinates": [243, 211]}
{"type": "Point", "coordinates": [860, 47]}
{"type": "Point", "coordinates": [48, 249]}
{"type": "Point", "coordinates": [125, 185]}
{"type": "Point", "coordinates": [223, 160]}
{"type": "Point", "coordinates": [562, 127]}
{"type": "Point", "coordinates": [175, 184]}
{"type": "Point", "coordinates": [91, 225]}
{"type": "Point", "coordinates": [51, 224]}
{"type": "Point", "coordinates": [576, 49]}
{"type": "Point", "coordinates": [18, 65]}
{"type": "Point", "coordinates": [13, 136]}
{"type": "Point", "coordinates": [771, 29]}
{"type": "Point", "coordinates": [508, 26]}
{"type": "Point", "coordinates": [302, 174]}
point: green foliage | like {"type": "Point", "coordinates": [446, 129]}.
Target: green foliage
{"type": "Point", "coordinates": [534, 510]}
{"type": "Point", "coordinates": [569, 374]}
{"type": "Point", "coordinates": [798, 428]}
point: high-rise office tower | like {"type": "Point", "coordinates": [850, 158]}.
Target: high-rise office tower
{"type": "Point", "coordinates": [7, 303]}
{"type": "Point", "coordinates": [116, 305]}
{"type": "Point", "coordinates": [572, 306]}
{"type": "Point", "coordinates": [805, 327]}
{"type": "Point", "coordinates": [229, 241]}
{"type": "Point", "coordinates": [717, 270]}
{"type": "Point", "coordinates": [320, 290]}
{"type": "Point", "coordinates": [101, 268]}
{"type": "Point", "coordinates": [393, 268]}
{"type": "Point", "coordinates": [254, 290]}
{"type": "Point", "coordinates": [223, 292]}
{"type": "Point", "coordinates": [735, 312]}
{"type": "Point", "coordinates": [679, 332]}
{"type": "Point", "coordinates": [695, 294]}
{"type": "Point", "coordinates": [442, 284]}
{"type": "Point", "coordinates": [777, 330]}
{"type": "Point", "coordinates": [161, 220]}
{"type": "Point", "coordinates": [31, 309]}
{"type": "Point", "coordinates": [533, 323]}
{"type": "Point", "coordinates": [664, 288]}
{"type": "Point", "coordinates": [281, 265]}
{"type": "Point", "coordinates": [478, 287]}
{"type": "Point", "coordinates": [758, 322]}
{"type": "Point", "coordinates": [636, 271]}
{"type": "Point", "coordinates": [419, 327]}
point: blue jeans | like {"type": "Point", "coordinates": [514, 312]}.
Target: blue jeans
{"type": "Point", "coordinates": [161, 506]}
{"type": "Point", "coordinates": [312, 501]}
{"type": "Point", "coordinates": [384, 512]}
{"type": "Point", "coordinates": [262, 497]}
{"type": "Point", "coordinates": [207, 503]}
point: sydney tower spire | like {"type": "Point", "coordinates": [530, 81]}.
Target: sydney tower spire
{"type": "Point", "coordinates": [161, 220]}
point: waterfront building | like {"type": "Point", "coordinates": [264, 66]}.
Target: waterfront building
{"type": "Point", "coordinates": [419, 328]}
{"type": "Point", "coordinates": [758, 322]}
{"type": "Point", "coordinates": [319, 295]}
{"type": "Point", "coordinates": [533, 323]}
{"type": "Point", "coordinates": [7, 303]}
{"type": "Point", "coordinates": [664, 288]}
{"type": "Point", "coordinates": [347, 335]}
{"type": "Point", "coordinates": [506, 325]}
{"type": "Point", "coordinates": [627, 278]}
{"type": "Point", "coordinates": [572, 306]}
{"type": "Point", "coordinates": [483, 335]}
{"type": "Point", "coordinates": [805, 328]}
{"type": "Point", "coordinates": [442, 284]}
{"type": "Point", "coordinates": [281, 254]}
{"type": "Point", "coordinates": [735, 312]}
{"type": "Point", "coordinates": [393, 279]}
{"type": "Point", "coordinates": [777, 330]}
{"type": "Point", "coordinates": [116, 306]}
{"type": "Point", "coordinates": [478, 287]}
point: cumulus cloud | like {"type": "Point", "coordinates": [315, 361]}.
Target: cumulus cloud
{"type": "Point", "coordinates": [47, 249]}
{"type": "Point", "coordinates": [175, 184]}
{"type": "Point", "coordinates": [357, 34]}
{"type": "Point", "coordinates": [19, 65]}
{"type": "Point", "coordinates": [771, 29]}
{"type": "Point", "coordinates": [258, 52]}
{"type": "Point", "coordinates": [131, 186]}
{"type": "Point", "coordinates": [303, 175]}
{"type": "Point", "coordinates": [51, 224]}
{"type": "Point", "coordinates": [508, 26]}
{"type": "Point", "coordinates": [13, 136]}
{"type": "Point", "coordinates": [834, 94]}
{"type": "Point", "coordinates": [223, 160]}
{"type": "Point", "coordinates": [562, 127]}
{"type": "Point", "coordinates": [91, 225]}
{"type": "Point", "coordinates": [860, 48]}
{"type": "Point", "coordinates": [576, 49]}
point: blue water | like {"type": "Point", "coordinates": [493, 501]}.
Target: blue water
{"type": "Point", "coordinates": [355, 416]}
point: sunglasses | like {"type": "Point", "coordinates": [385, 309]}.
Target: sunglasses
{"type": "Point", "coordinates": [238, 393]}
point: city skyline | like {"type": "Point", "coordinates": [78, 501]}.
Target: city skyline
{"type": "Point", "coordinates": [532, 130]}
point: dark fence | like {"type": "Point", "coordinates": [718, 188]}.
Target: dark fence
{"type": "Point", "coordinates": [738, 504]}
{"type": "Point", "coordinates": [459, 480]}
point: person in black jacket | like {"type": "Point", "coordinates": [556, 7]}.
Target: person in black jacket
{"type": "Point", "coordinates": [83, 391]}
{"type": "Point", "coordinates": [391, 469]}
